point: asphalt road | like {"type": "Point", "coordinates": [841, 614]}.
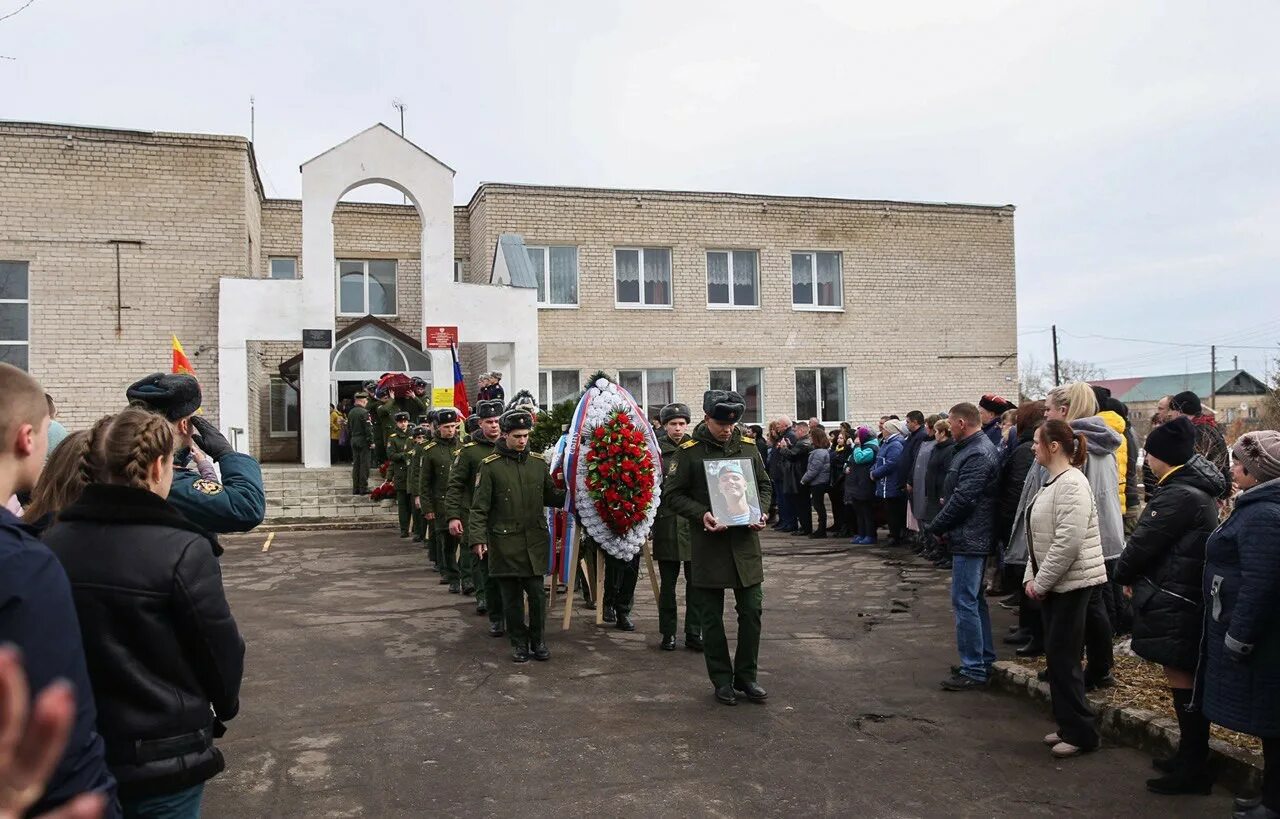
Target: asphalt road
{"type": "Point", "coordinates": [371, 691]}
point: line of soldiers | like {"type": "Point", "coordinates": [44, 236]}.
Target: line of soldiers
{"type": "Point", "coordinates": [479, 501]}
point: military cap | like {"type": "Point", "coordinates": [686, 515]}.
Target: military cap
{"type": "Point", "coordinates": [491, 408]}
{"type": "Point", "coordinates": [361, 394]}
{"type": "Point", "coordinates": [515, 419]}
{"type": "Point", "coordinates": [725, 406]}
{"type": "Point", "coordinates": [432, 416]}
{"type": "Point", "coordinates": [424, 419]}
{"type": "Point", "coordinates": [731, 466]}
{"type": "Point", "coordinates": [400, 416]}
{"type": "Point", "coordinates": [421, 431]}
{"type": "Point", "coordinates": [173, 395]}
{"type": "Point", "coordinates": [473, 423]}
{"type": "Point", "coordinates": [673, 411]}
{"type": "Point", "coordinates": [446, 415]}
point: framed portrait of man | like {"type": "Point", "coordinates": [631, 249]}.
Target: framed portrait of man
{"type": "Point", "coordinates": [731, 484]}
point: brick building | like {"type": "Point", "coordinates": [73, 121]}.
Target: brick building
{"type": "Point", "coordinates": [112, 241]}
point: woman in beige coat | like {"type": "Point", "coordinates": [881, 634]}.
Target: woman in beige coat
{"type": "Point", "coordinates": [1064, 565]}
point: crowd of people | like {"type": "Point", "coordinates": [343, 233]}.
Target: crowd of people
{"type": "Point", "coordinates": [1044, 502]}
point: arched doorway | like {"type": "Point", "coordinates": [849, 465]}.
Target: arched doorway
{"type": "Point", "coordinates": [366, 354]}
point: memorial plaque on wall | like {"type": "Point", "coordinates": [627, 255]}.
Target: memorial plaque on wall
{"type": "Point", "coordinates": [317, 339]}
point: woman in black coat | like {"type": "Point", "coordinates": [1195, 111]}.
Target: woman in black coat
{"type": "Point", "coordinates": [1240, 664]}
{"type": "Point", "coordinates": [1162, 565]}
{"type": "Point", "coordinates": [840, 450]}
{"type": "Point", "coordinates": [935, 476]}
{"type": "Point", "coordinates": [165, 658]}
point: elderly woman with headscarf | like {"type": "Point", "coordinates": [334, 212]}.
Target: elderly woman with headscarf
{"type": "Point", "coordinates": [885, 474]}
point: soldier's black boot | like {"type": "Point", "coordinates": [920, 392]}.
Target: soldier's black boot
{"type": "Point", "coordinates": [693, 642]}
{"type": "Point", "coordinates": [610, 614]}
{"type": "Point", "coordinates": [482, 606]}
{"type": "Point", "coordinates": [668, 642]}
{"type": "Point", "coordinates": [453, 586]}
{"type": "Point", "coordinates": [624, 622]}
{"type": "Point", "coordinates": [752, 691]}
{"type": "Point", "coordinates": [520, 654]}
{"type": "Point", "coordinates": [496, 629]}
{"type": "Point", "coordinates": [725, 695]}
{"type": "Point", "coordinates": [541, 653]}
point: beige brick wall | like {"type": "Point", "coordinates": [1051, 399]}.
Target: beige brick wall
{"type": "Point", "coordinates": [462, 239]}
{"type": "Point", "coordinates": [264, 362]}
{"type": "Point", "coordinates": [920, 282]}
{"type": "Point", "coordinates": [66, 193]}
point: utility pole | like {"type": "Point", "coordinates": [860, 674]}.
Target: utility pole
{"type": "Point", "coordinates": [398, 103]}
{"type": "Point", "coordinates": [1235, 362]}
{"type": "Point", "coordinates": [1213, 377]}
{"type": "Point", "coordinates": [1057, 376]}
{"type": "Point", "coordinates": [252, 118]}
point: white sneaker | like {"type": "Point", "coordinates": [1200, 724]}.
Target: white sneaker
{"type": "Point", "coordinates": [1064, 750]}
{"type": "Point", "coordinates": [1052, 739]}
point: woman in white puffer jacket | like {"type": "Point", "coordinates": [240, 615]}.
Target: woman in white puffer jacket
{"type": "Point", "coordinates": [1064, 565]}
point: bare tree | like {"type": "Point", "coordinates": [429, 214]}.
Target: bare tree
{"type": "Point", "coordinates": [1270, 409]}
{"type": "Point", "coordinates": [1035, 380]}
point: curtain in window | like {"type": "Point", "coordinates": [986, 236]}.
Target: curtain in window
{"type": "Point", "coordinates": [351, 287]}
{"type": "Point", "coordinates": [801, 278]}
{"type": "Point", "coordinates": [744, 277]}
{"type": "Point", "coordinates": [721, 380]}
{"type": "Point", "coordinates": [657, 276]}
{"type": "Point", "coordinates": [564, 276]}
{"type": "Point", "coordinates": [382, 287]}
{"type": "Point", "coordinates": [627, 265]}
{"type": "Point", "coordinates": [829, 289]}
{"type": "Point", "coordinates": [717, 278]}
{"type": "Point", "coordinates": [749, 389]}
{"type": "Point", "coordinates": [832, 394]}
{"type": "Point", "coordinates": [538, 259]}
{"type": "Point", "coordinates": [564, 385]}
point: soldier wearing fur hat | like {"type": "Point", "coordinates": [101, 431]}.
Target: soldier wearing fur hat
{"type": "Point", "coordinates": [723, 556]}
{"type": "Point", "coordinates": [361, 443]}
{"type": "Point", "coordinates": [671, 541]}
{"type": "Point", "coordinates": [507, 527]}
{"type": "Point", "coordinates": [238, 504]}
{"type": "Point", "coordinates": [398, 443]}
{"type": "Point", "coordinates": [433, 480]}
{"type": "Point", "coordinates": [457, 504]}
{"type": "Point", "coordinates": [413, 482]}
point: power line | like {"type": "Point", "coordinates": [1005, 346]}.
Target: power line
{"type": "Point", "coordinates": [17, 11]}
{"type": "Point", "coordinates": [1168, 343]}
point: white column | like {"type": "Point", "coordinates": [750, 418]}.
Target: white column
{"type": "Point", "coordinates": [318, 309]}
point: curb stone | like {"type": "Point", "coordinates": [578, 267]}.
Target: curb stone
{"type": "Point", "coordinates": [1239, 770]}
{"type": "Point", "coordinates": [317, 525]}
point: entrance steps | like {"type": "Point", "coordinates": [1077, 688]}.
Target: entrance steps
{"type": "Point", "coordinates": [296, 495]}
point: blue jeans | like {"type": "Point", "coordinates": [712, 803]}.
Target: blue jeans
{"type": "Point", "coordinates": [973, 621]}
{"type": "Point", "coordinates": [181, 805]}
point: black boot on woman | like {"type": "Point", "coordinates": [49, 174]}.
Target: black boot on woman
{"type": "Point", "coordinates": [1189, 771]}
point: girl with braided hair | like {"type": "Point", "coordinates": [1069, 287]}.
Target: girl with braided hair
{"type": "Point", "coordinates": [165, 657]}
{"type": "Point", "coordinates": [61, 482]}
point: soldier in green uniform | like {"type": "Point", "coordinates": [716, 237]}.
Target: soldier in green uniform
{"type": "Point", "coordinates": [382, 424]}
{"type": "Point", "coordinates": [398, 445]}
{"type": "Point", "coordinates": [457, 505]}
{"type": "Point", "coordinates": [433, 480]}
{"type": "Point", "coordinates": [412, 479]}
{"type": "Point", "coordinates": [724, 556]}
{"type": "Point", "coordinates": [391, 406]}
{"type": "Point", "coordinates": [508, 528]}
{"type": "Point", "coordinates": [361, 429]}
{"type": "Point", "coordinates": [671, 541]}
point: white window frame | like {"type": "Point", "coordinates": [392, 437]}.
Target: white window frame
{"type": "Point", "coordinates": [337, 278]}
{"type": "Point", "coordinates": [271, 260]}
{"type": "Point", "coordinates": [546, 277]}
{"type": "Point", "coordinates": [817, 384]}
{"type": "Point", "coordinates": [273, 381]}
{"type": "Point", "coordinates": [642, 305]}
{"type": "Point", "coordinates": [545, 381]}
{"type": "Point", "coordinates": [813, 265]}
{"type": "Point", "coordinates": [733, 381]}
{"type": "Point", "coordinates": [27, 301]}
{"type": "Point", "coordinates": [643, 398]}
{"type": "Point", "coordinates": [730, 305]}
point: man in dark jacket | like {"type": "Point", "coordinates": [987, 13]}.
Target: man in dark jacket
{"type": "Point", "coordinates": [916, 435]}
{"type": "Point", "coordinates": [1209, 439]}
{"type": "Point", "coordinates": [795, 450]}
{"type": "Point", "coordinates": [1163, 565]}
{"type": "Point", "coordinates": [36, 610]}
{"type": "Point", "coordinates": [966, 518]}
{"type": "Point", "coordinates": [990, 408]}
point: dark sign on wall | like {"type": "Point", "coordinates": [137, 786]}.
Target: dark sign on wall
{"type": "Point", "coordinates": [317, 339]}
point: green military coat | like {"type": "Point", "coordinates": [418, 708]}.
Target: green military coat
{"type": "Point", "coordinates": [413, 459]}
{"type": "Point", "coordinates": [721, 560]}
{"type": "Point", "coordinates": [433, 477]}
{"type": "Point", "coordinates": [385, 413]}
{"type": "Point", "coordinates": [462, 477]}
{"type": "Point", "coordinates": [670, 531]}
{"type": "Point", "coordinates": [360, 426]}
{"type": "Point", "coordinates": [398, 446]}
{"type": "Point", "coordinates": [508, 512]}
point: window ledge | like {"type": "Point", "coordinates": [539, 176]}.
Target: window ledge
{"type": "Point", "coordinates": [283, 435]}
{"type": "Point", "coordinates": [542, 306]}
{"type": "Point", "coordinates": [384, 316]}
{"type": "Point", "coordinates": [619, 306]}
{"type": "Point", "coordinates": [733, 307]}
{"type": "Point", "coordinates": [810, 308]}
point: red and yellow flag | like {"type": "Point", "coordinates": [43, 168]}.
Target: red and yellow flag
{"type": "Point", "coordinates": [180, 362]}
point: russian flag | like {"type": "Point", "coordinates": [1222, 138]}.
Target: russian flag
{"type": "Point", "coordinates": [459, 386]}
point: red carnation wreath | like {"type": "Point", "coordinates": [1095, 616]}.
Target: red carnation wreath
{"type": "Point", "coordinates": [620, 472]}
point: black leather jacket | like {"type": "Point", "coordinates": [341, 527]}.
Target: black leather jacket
{"type": "Point", "coordinates": [164, 655]}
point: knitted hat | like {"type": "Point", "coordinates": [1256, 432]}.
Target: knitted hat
{"type": "Point", "coordinates": [894, 426]}
{"type": "Point", "coordinates": [1259, 454]}
{"type": "Point", "coordinates": [1173, 442]}
{"type": "Point", "coordinates": [862, 434]}
{"type": "Point", "coordinates": [1188, 403]}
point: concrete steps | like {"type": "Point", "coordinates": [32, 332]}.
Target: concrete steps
{"type": "Point", "coordinates": [296, 495]}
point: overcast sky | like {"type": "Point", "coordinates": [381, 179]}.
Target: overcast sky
{"type": "Point", "coordinates": [1138, 140]}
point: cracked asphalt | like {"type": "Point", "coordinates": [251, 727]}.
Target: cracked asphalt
{"type": "Point", "coordinates": [371, 691]}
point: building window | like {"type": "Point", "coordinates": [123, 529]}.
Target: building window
{"type": "Point", "coordinates": [15, 319]}
{"type": "Point", "coordinates": [652, 389]}
{"type": "Point", "coordinates": [816, 280]}
{"type": "Point", "coordinates": [283, 409]}
{"type": "Point", "coordinates": [367, 287]}
{"type": "Point", "coordinates": [732, 279]}
{"type": "Point", "coordinates": [747, 382]}
{"type": "Point", "coordinates": [284, 267]}
{"type": "Point", "coordinates": [820, 394]}
{"type": "Point", "coordinates": [557, 269]}
{"type": "Point", "coordinates": [642, 276]}
{"type": "Point", "coordinates": [457, 270]}
{"type": "Point", "coordinates": [556, 386]}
